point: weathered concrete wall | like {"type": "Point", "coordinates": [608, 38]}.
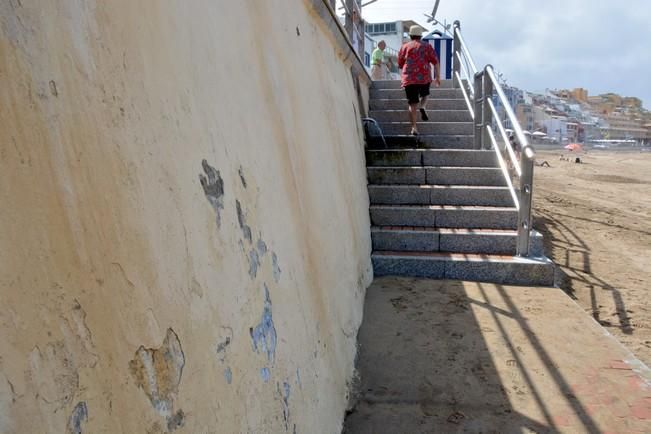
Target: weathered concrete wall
{"type": "Point", "coordinates": [184, 232]}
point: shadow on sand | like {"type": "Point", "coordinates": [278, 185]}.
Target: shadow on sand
{"type": "Point", "coordinates": [426, 367]}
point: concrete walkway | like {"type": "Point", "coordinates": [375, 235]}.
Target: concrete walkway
{"type": "Point", "coordinates": [460, 357]}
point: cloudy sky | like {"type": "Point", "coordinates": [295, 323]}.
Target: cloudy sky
{"type": "Point", "coordinates": [602, 45]}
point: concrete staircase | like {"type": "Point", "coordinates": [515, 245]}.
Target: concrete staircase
{"type": "Point", "coordinates": [440, 209]}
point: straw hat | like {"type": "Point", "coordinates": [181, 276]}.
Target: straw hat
{"type": "Point", "coordinates": [415, 31]}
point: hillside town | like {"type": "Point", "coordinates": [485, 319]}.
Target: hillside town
{"type": "Point", "coordinates": [554, 117]}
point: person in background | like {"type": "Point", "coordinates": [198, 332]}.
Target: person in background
{"type": "Point", "coordinates": [379, 66]}
{"type": "Point", "coordinates": [414, 59]}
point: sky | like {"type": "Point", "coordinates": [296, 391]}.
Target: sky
{"type": "Point", "coordinates": [601, 45]}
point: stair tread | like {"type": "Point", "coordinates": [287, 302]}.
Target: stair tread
{"type": "Point", "coordinates": [455, 231]}
{"type": "Point", "coordinates": [440, 186]}
{"type": "Point", "coordinates": [429, 110]}
{"type": "Point", "coordinates": [446, 207]}
{"type": "Point", "coordinates": [470, 257]}
{"type": "Point", "coordinates": [420, 123]}
{"type": "Point", "coordinates": [434, 167]}
{"type": "Point", "coordinates": [439, 150]}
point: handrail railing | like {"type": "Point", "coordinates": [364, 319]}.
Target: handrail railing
{"type": "Point", "coordinates": [479, 100]}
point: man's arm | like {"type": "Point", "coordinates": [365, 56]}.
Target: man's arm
{"type": "Point", "coordinates": [401, 57]}
{"type": "Point", "coordinates": [434, 60]}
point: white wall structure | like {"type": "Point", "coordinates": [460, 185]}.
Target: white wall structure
{"type": "Point", "coordinates": [184, 234]}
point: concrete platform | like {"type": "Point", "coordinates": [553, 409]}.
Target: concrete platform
{"type": "Point", "coordinates": [459, 357]}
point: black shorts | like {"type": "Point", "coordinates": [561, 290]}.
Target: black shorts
{"type": "Point", "coordinates": [416, 91]}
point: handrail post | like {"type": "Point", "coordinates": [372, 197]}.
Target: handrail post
{"type": "Point", "coordinates": [524, 214]}
{"type": "Point", "coordinates": [478, 109]}
{"type": "Point", "coordinates": [486, 114]}
{"type": "Point", "coordinates": [456, 64]}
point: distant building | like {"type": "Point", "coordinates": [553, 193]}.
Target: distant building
{"type": "Point", "coordinates": [580, 94]}
{"type": "Point", "coordinates": [620, 127]}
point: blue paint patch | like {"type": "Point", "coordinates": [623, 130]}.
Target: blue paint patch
{"type": "Point", "coordinates": [228, 375]}
{"type": "Point", "coordinates": [262, 247]}
{"type": "Point", "coordinates": [254, 263]}
{"type": "Point", "coordinates": [79, 415]}
{"type": "Point", "coordinates": [275, 267]}
{"type": "Point", "coordinates": [263, 335]}
{"type": "Point", "coordinates": [265, 374]}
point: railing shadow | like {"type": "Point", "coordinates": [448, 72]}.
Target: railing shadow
{"type": "Point", "coordinates": [559, 235]}
{"type": "Point", "coordinates": [426, 366]}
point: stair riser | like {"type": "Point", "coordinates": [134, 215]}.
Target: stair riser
{"type": "Point", "coordinates": [456, 142]}
{"type": "Point", "coordinates": [464, 142]}
{"type": "Point", "coordinates": [496, 244]}
{"type": "Point", "coordinates": [401, 95]}
{"type": "Point", "coordinates": [396, 84]}
{"type": "Point", "coordinates": [433, 104]}
{"type": "Point", "coordinates": [435, 176]}
{"type": "Point", "coordinates": [440, 128]}
{"type": "Point", "coordinates": [434, 115]}
{"type": "Point", "coordinates": [404, 241]}
{"type": "Point", "coordinates": [431, 158]}
{"type": "Point", "coordinates": [492, 272]}
{"type": "Point", "coordinates": [431, 241]}
{"type": "Point", "coordinates": [391, 195]}
{"type": "Point", "coordinates": [444, 218]}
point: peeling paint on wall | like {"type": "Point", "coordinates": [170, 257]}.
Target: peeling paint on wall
{"type": "Point", "coordinates": [176, 421]}
{"type": "Point", "coordinates": [254, 263]}
{"type": "Point", "coordinates": [262, 247]}
{"type": "Point", "coordinates": [275, 267]}
{"type": "Point", "coordinates": [158, 371]}
{"type": "Point", "coordinates": [241, 173]}
{"type": "Point", "coordinates": [213, 188]}
{"type": "Point", "coordinates": [265, 374]}
{"type": "Point", "coordinates": [263, 335]}
{"type": "Point", "coordinates": [223, 343]}
{"type": "Point", "coordinates": [284, 393]}
{"type": "Point", "coordinates": [54, 369]}
{"type": "Point", "coordinates": [246, 229]}
{"type": "Point", "coordinates": [228, 375]}
{"type": "Point", "coordinates": [79, 415]}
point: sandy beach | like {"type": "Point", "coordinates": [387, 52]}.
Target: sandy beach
{"type": "Point", "coordinates": [596, 218]}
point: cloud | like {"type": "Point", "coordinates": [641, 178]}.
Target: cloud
{"type": "Point", "coordinates": [604, 46]}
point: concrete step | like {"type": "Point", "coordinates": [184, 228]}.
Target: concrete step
{"type": "Point", "coordinates": [404, 128]}
{"type": "Point", "coordinates": [444, 216]}
{"type": "Point", "coordinates": [439, 195]}
{"type": "Point", "coordinates": [436, 175]}
{"type": "Point", "coordinates": [432, 104]}
{"type": "Point", "coordinates": [434, 115]}
{"type": "Point", "coordinates": [430, 141]}
{"type": "Point", "coordinates": [477, 241]}
{"type": "Point", "coordinates": [507, 270]}
{"type": "Point", "coordinates": [396, 84]}
{"type": "Point", "coordinates": [435, 93]}
{"type": "Point", "coordinates": [431, 157]}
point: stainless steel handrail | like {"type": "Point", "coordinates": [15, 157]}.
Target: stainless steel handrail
{"type": "Point", "coordinates": [479, 99]}
{"type": "Point", "coordinates": [463, 47]}
{"type": "Point", "coordinates": [465, 96]}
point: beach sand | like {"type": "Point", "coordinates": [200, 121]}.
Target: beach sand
{"type": "Point", "coordinates": [596, 218]}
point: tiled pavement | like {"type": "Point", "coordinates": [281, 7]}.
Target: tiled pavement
{"type": "Point", "coordinates": [459, 357]}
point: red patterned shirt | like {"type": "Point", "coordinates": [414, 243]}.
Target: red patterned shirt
{"type": "Point", "coordinates": [414, 59]}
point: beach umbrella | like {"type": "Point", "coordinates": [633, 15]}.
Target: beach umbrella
{"type": "Point", "coordinates": [574, 147]}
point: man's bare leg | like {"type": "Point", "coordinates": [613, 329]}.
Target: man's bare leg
{"type": "Point", "coordinates": [413, 110]}
{"type": "Point", "coordinates": [423, 109]}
